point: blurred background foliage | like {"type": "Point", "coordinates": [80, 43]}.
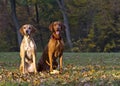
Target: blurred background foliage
{"type": "Point", "coordinates": [94, 24]}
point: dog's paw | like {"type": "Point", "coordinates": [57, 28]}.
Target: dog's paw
{"type": "Point", "coordinates": [55, 72]}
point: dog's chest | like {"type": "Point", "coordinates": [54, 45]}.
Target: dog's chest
{"type": "Point", "coordinates": [29, 47]}
{"type": "Point", "coordinates": [59, 46]}
{"type": "Point", "coordinates": [29, 44]}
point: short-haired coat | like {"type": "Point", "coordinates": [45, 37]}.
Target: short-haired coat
{"type": "Point", "coordinates": [28, 50]}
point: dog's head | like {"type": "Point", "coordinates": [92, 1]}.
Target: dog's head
{"type": "Point", "coordinates": [56, 27]}
{"type": "Point", "coordinates": [27, 29]}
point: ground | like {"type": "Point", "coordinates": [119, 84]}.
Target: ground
{"type": "Point", "coordinates": [80, 69]}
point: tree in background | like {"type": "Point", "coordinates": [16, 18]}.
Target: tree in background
{"type": "Point", "coordinates": [15, 19]}
{"type": "Point", "coordinates": [61, 4]}
{"type": "Point", "coordinates": [7, 31]}
{"type": "Point", "coordinates": [103, 33]}
{"type": "Point", "coordinates": [94, 24]}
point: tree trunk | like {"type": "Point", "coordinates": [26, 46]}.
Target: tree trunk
{"type": "Point", "coordinates": [62, 8]}
{"type": "Point", "coordinates": [37, 21]}
{"type": "Point", "coordinates": [15, 20]}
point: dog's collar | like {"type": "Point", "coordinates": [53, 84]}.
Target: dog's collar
{"type": "Point", "coordinates": [55, 37]}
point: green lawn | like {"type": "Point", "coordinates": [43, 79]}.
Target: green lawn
{"type": "Point", "coordinates": [98, 69]}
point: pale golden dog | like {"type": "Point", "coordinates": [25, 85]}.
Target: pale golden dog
{"type": "Point", "coordinates": [28, 50]}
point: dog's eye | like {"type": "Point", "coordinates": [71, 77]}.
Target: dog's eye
{"type": "Point", "coordinates": [29, 27]}
{"type": "Point", "coordinates": [23, 27]}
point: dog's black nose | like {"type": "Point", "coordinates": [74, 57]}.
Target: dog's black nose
{"type": "Point", "coordinates": [26, 31]}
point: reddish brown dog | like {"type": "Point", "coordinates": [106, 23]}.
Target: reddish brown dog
{"type": "Point", "coordinates": [53, 50]}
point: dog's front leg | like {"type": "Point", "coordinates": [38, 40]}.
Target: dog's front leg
{"type": "Point", "coordinates": [60, 61]}
{"type": "Point", "coordinates": [50, 61]}
{"type": "Point", "coordinates": [34, 61]}
{"type": "Point", "coordinates": [22, 65]}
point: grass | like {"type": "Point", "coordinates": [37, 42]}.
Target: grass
{"type": "Point", "coordinates": [80, 69]}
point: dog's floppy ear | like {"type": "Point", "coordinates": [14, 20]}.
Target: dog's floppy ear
{"type": "Point", "coordinates": [21, 30]}
{"type": "Point", "coordinates": [33, 29]}
{"type": "Point", "coordinates": [51, 27]}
